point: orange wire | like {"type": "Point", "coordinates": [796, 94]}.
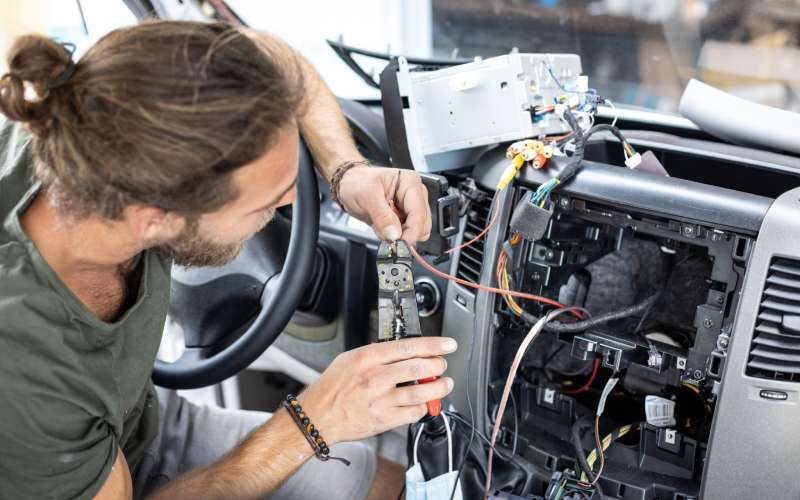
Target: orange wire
{"type": "Point", "coordinates": [476, 286]}
{"type": "Point", "coordinates": [495, 213]}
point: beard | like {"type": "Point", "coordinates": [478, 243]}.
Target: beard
{"type": "Point", "coordinates": [192, 248]}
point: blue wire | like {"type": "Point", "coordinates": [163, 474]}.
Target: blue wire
{"type": "Point", "coordinates": [553, 75]}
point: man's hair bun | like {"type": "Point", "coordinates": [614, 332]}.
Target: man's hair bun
{"type": "Point", "coordinates": [33, 61]}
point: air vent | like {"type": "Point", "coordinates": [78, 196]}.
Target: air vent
{"type": "Point", "coordinates": [471, 260]}
{"type": "Point", "coordinates": [775, 351]}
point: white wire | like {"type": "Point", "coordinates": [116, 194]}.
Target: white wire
{"type": "Point", "coordinates": [616, 116]}
{"type": "Point", "coordinates": [449, 442]}
{"type": "Point", "coordinates": [512, 374]}
{"type": "Point", "coordinates": [416, 443]}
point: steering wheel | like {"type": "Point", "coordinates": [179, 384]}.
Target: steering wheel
{"type": "Point", "coordinates": [229, 315]}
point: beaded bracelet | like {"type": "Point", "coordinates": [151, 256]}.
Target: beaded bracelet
{"type": "Point", "coordinates": [311, 434]}
{"type": "Point", "coordinates": [336, 178]}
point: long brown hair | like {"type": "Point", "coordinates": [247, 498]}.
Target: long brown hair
{"type": "Point", "coordinates": [159, 113]}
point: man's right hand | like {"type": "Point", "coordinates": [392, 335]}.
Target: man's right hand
{"type": "Point", "coordinates": [358, 397]}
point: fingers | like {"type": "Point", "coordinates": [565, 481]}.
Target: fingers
{"type": "Point", "coordinates": [414, 204]}
{"type": "Point", "coordinates": [407, 414]}
{"type": "Point", "coordinates": [412, 395]}
{"type": "Point", "coordinates": [409, 370]}
{"type": "Point", "coordinates": [385, 221]}
{"type": "Point", "coordinates": [398, 350]}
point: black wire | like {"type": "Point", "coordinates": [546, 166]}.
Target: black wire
{"type": "Point", "coordinates": [580, 144]}
{"type": "Point", "coordinates": [482, 436]}
{"type": "Point", "coordinates": [83, 18]}
{"type": "Point", "coordinates": [400, 496]}
{"type": "Point", "coordinates": [580, 326]}
{"type": "Point", "coordinates": [580, 453]}
{"type": "Point", "coordinates": [552, 356]}
{"type": "Point", "coordinates": [469, 404]}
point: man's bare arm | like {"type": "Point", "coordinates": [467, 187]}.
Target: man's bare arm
{"type": "Point", "coordinates": [258, 466]}
{"type": "Point", "coordinates": [321, 121]}
{"type": "Point", "coordinates": [356, 397]}
{"type": "Point", "coordinates": [253, 469]}
{"type": "Point", "coordinates": [118, 485]}
{"type": "Point", "coordinates": [364, 192]}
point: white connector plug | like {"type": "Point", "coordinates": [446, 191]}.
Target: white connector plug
{"type": "Point", "coordinates": [634, 161]}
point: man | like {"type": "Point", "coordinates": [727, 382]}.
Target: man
{"type": "Point", "coordinates": [173, 142]}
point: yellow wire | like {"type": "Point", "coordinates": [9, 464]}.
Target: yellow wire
{"type": "Point", "coordinates": [693, 388]}
{"type": "Point", "coordinates": [606, 442]}
{"type": "Point", "coordinates": [505, 282]}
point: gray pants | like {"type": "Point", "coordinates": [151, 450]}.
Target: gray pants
{"type": "Point", "coordinates": [193, 436]}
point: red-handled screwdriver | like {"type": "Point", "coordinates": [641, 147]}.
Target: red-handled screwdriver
{"type": "Point", "coordinates": [434, 406]}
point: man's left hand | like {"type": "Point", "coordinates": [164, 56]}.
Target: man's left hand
{"type": "Point", "coordinates": [371, 193]}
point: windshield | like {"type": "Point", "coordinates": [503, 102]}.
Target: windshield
{"type": "Point", "coordinates": [641, 52]}
{"type": "Point", "coordinates": [636, 52]}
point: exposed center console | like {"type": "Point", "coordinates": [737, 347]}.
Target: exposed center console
{"type": "Point", "coordinates": [696, 277]}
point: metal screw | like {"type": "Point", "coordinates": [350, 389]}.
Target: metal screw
{"type": "Point", "coordinates": [720, 299]}
{"type": "Point", "coordinates": [723, 342]}
{"type": "Point", "coordinates": [564, 202]}
{"type": "Point", "coordinates": [708, 323]}
{"type": "Point", "coordinates": [549, 254]}
{"type": "Point", "coordinates": [698, 374]}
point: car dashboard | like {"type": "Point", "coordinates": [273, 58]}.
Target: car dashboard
{"type": "Point", "coordinates": [701, 261]}
{"type": "Point", "coordinates": [712, 351]}
{"type": "Point", "coordinates": [695, 271]}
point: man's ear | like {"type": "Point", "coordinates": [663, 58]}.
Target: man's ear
{"type": "Point", "coordinates": [149, 223]}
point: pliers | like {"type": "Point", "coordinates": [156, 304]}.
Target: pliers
{"type": "Point", "coordinates": [398, 316]}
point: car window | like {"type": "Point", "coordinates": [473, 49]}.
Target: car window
{"type": "Point", "coordinates": [636, 52]}
{"type": "Point", "coordinates": [77, 21]}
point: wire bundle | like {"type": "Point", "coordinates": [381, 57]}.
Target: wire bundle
{"type": "Point", "coordinates": [542, 194]}
{"type": "Point", "coordinates": [512, 374]}
{"type": "Point", "coordinates": [603, 446]}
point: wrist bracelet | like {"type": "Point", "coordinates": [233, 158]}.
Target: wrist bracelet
{"type": "Point", "coordinates": [311, 434]}
{"type": "Point", "coordinates": [336, 178]}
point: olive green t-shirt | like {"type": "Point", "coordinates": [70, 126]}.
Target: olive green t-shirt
{"type": "Point", "coordinates": [73, 389]}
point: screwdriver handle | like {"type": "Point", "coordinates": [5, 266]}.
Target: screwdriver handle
{"type": "Point", "coordinates": [435, 406]}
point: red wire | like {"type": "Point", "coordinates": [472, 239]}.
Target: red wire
{"type": "Point", "coordinates": [496, 211]}
{"type": "Point", "coordinates": [585, 387]}
{"type": "Point", "coordinates": [489, 289]}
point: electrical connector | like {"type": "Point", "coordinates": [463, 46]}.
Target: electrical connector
{"type": "Point", "coordinates": [514, 149]}
{"type": "Point", "coordinates": [510, 172]}
{"type": "Point", "coordinates": [633, 161]}
{"type": "Point", "coordinates": [529, 220]}
{"type": "Point", "coordinates": [540, 161]}
{"type": "Point", "coordinates": [529, 154]}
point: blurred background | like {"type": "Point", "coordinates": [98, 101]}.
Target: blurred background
{"type": "Point", "coordinates": [638, 53]}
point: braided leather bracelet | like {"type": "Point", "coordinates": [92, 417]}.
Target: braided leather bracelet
{"type": "Point", "coordinates": [311, 434]}
{"type": "Point", "coordinates": [336, 178]}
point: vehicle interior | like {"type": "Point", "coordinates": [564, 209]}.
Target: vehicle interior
{"type": "Point", "coordinates": [674, 373]}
